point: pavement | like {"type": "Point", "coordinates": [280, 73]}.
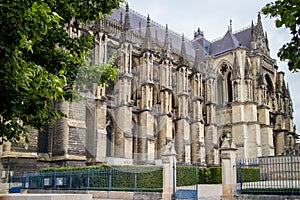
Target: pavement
{"type": "Point", "coordinates": [206, 192]}
{"type": "Point", "coordinates": [210, 191]}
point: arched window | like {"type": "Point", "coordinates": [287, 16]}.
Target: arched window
{"type": "Point", "coordinates": [220, 93]}
{"type": "Point", "coordinates": [229, 88]}
{"type": "Point", "coordinates": [270, 89]}
{"type": "Point", "coordinates": [109, 133]}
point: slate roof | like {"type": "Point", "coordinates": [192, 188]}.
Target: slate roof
{"type": "Point", "coordinates": [228, 42]}
{"type": "Point", "coordinates": [244, 37]}
{"type": "Point", "coordinates": [156, 29]}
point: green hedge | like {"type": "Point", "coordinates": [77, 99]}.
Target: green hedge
{"type": "Point", "coordinates": [105, 177]}
{"type": "Point", "coordinates": [210, 175]}
{"type": "Point", "coordinates": [147, 177]}
{"type": "Point", "coordinates": [186, 175]}
{"type": "Point", "coordinates": [249, 174]}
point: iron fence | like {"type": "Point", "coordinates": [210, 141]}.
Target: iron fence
{"type": "Point", "coordinates": [269, 175]}
{"type": "Point", "coordinates": [102, 179]}
{"type": "Point", "coordinates": [187, 180]}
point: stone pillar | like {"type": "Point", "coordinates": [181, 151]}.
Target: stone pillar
{"type": "Point", "coordinates": [169, 178]}
{"type": "Point", "coordinates": [123, 136]}
{"type": "Point", "coordinates": [60, 135]}
{"type": "Point", "coordinates": [266, 132]}
{"type": "Point", "coordinates": [101, 110]}
{"type": "Point", "coordinates": [146, 147]}
{"type": "Point", "coordinates": [228, 155]}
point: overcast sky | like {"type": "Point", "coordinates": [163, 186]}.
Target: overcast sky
{"type": "Point", "coordinates": [213, 17]}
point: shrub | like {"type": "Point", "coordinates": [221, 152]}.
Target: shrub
{"type": "Point", "coordinates": [249, 174]}
{"type": "Point", "coordinates": [210, 175]}
{"type": "Point", "coordinates": [105, 177]}
{"type": "Point", "coordinates": [185, 175]}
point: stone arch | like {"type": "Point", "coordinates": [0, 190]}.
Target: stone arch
{"type": "Point", "coordinates": [224, 84]}
{"type": "Point", "coordinates": [220, 66]}
{"type": "Point", "coordinates": [135, 83]}
{"type": "Point", "coordinates": [270, 89]}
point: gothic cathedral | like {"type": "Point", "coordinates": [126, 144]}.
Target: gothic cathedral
{"type": "Point", "coordinates": [191, 93]}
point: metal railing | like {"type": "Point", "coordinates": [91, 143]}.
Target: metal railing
{"type": "Point", "coordinates": [278, 175]}
{"type": "Point", "coordinates": [102, 179]}
{"type": "Point", "coordinates": [187, 180]}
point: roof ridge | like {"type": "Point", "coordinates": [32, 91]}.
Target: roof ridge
{"type": "Point", "coordinates": [243, 28]}
{"type": "Point", "coordinates": [234, 32]}
{"type": "Point", "coordinates": [154, 22]}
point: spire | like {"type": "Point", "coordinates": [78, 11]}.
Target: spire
{"type": "Point", "coordinates": [147, 41]}
{"type": "Point", "coordinates": [267, 41]}
{"type": "Point", "coordinates": [183, 55]}
{"type": "Point", "coordinates": [127, 20]}
{"type": "Point", "coordinates": [252, 31]}
{"type": "Point", "coordinates": [167, 39]}
{"type": "Point", "coordinates": [236, 74]}
{"type": "Point", "coordinates": [288, 91]}
{"type": "Point", "coordinates": [290, 100]}
{"type": "Point", "coordinates": [258, 18]}
{"type": "Point", "coordinates": [183, 49]}
{"type": "Point", "coordinates": [230, 26]}
{"type": "Point", "coordinates": [167, 45]}
{"type": "Point", "coordinates": [259, 27]}
{"type": "Point", "coordinates": [198, 34]}
{"type": "Point", "coordinates": [125, 35]}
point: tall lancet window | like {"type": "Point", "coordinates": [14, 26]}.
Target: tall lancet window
{"type": "Point", "coordinates": [269, 90]}
{"type": "Point", "coordinates": [220, 93]}
{"type": "Point", "coordinates": [109, 134]}
{"type": "Point", "coordinates": [229, 88]}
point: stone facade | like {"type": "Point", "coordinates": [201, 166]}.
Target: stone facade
{"type": "Point", "coordinates": [171, 89]}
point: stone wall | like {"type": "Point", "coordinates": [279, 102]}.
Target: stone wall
{"type": "Point", "coordinates": [46, 196]}
{"type": "Point", "coordinates": [107, 195]}
{"type": "Point", "coordinates": [266, 197]}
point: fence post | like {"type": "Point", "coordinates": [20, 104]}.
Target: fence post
{"type": "Point", "coordinates": [135, 179]}
{"type": "Point", "coordinates": [169, 162]}
{"type": "Point", "coordinates": [228, 155]}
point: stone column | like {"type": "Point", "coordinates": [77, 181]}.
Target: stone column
{"type": "Point", "coordinates": [169, 164]}
{"type": "Point", "coordinates": [146, 149]}
{"type": "Point", "coordinates": [60, 135]}
{"type": "Point", "coordinates": [228, 154]}
{"type": "Point", "coordinates": [101, 110]}
{"type": "Point", "coordinates": [164, 133]}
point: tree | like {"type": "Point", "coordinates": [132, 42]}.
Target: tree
{"type": "Point", "coordinates": [39, 61]}
{"type": "Point", "coordinates": [287, 13]}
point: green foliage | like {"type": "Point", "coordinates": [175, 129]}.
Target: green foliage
{"type": "Point", "coordinates": [251, 174]}
{"type": "Point", "coordinates": [186, 175]}
{"type": "Point", "coordinates": [104, 177]}
{"type": "Point", "coordinates": [39, 62]}
{"type": "Point", "coordinates": [210, 175]}
{"type": "Point", "coordinates": [96, 74]}
{"type": "Point", "coordinates": [287, 13]}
